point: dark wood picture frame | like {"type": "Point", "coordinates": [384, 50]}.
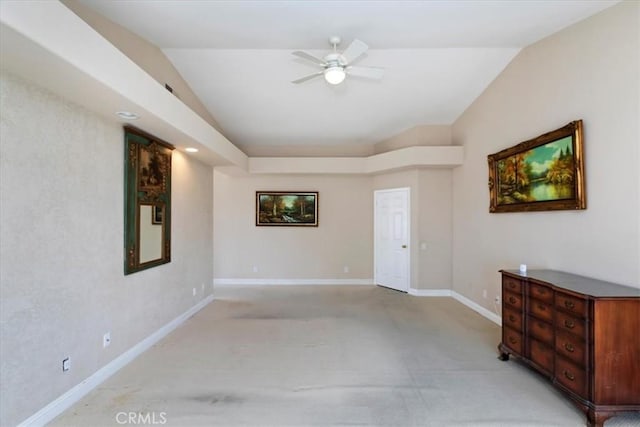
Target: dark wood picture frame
{"type": "Point", "coordinates": [542, 174]}
{"type": "Point", "coordinates": [287, 208]}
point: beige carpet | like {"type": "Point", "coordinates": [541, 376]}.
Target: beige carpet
{"type": "Point", "coordinates": [325, 355]}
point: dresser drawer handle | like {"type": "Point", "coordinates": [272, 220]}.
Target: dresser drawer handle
{"type": "Point", "coordinates": [569, 324]}
{"type": "Point", "coordinates": [569, 375]}
{"type": "Point", "coordinates": [512, 318]}
{"type": "Point", "coordinates": [569, 304]}
{"type": "Point", "coordinates": [542, 326]}
{"type": "Point", "coordinates": [569, 347]}
{"type": "Point", "coordinates": [512, 300]}
{"type": "Point", "coordinates": [542, 307]}
{"type": "Point", "coordinates": [512, 285]}
{"type": "Point", "coordinates": [541, 291]}
{"type": "Point", "coordinates": [512, 340]}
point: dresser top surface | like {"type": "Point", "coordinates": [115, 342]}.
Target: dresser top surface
{"type": "Point", "coordinates": [580, 284]}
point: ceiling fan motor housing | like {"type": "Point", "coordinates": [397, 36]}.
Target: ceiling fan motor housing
{"type": "Point", "coordinates": [335, 59]}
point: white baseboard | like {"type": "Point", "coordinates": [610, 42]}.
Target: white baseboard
{"type": "Point", "coordinates": [430, 292]}
{"type": "Point", "coordinates": [292, 282]}
{"type": "Point", "coordinates": [55, 408]}
{"type": "Point", "coordinates": [462, 299]}
{"type": "Point", "coordinates": [477, 308]}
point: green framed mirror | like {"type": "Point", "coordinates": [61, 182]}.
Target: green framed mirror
{"type": "Point", "coordinates": [147, 201]}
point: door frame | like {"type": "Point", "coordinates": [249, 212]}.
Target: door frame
{"type": "Point", "coordinates": [375, 233]}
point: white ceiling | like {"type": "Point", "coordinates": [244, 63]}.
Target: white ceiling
{"type": "Point", "coordinates": [438, 55]}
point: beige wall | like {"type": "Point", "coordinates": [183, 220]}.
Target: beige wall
{"type": "Point", "coordinates": [588, 71]}
{"type": "Point", "coordinates": [61, 248]}
{"type": "Point", "coordinates": [343, 237]}
{"type": "Point", "coordinates": [430, 223]}
{"type": "Point", "coordinates": [434, 228]}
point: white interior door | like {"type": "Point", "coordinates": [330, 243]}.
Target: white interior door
{"type": "Point", "coordinates": [391, 238]}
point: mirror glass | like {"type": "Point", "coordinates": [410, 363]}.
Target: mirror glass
{"type": "Point", "coordinates": [150, 233]}
{"type": "Point", "coordinates": [147, 201]}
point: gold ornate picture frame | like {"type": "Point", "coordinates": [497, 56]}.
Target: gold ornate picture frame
{"type": "Point", "coordinates": [541, 174]}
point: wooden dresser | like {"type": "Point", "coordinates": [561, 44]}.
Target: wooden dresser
{"type": "Point", "coordinates": [583, 334]}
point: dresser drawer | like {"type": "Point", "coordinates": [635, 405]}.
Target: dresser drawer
{"type": "Point", "coordinates": [541, 310]}
{"type": "Point", "coordinates": [542, 354]}
{"type": "Point", "coordinates": [513, 300]}
{"type": "Point", "coordinates": [512, 339]}
{"type": "Point", "coordinates": [571, 376]}
{"type": "Point", "coordinates": [571, 304]}
{"type": "Point", "coordinates": [571, 347]}
{"type": "Point", "coordinates": [512, 318]}
{"type": "Point", "coordinates": [543, 331]}
{"type": "Point", "coordinates": [541, 292]}
{"type": "Point", "coordinates": [568, 323]}
{"type": "Point", "coordinates": [511, 284]}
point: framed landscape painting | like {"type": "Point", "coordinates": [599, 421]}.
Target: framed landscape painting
{"type": "Point", "coordinates": [287, 208]}
{"type": "Point", "coordinates": [541, 174]}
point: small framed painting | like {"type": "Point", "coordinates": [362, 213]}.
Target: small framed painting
{"type": "Point", "coordinates": [287, 208]}
{"type": "Point", "coordinates": [542, 174]}
{"type": "Point", "coordinates": [156, 217]}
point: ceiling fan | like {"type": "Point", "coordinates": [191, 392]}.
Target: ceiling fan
{"type": "Point", "coordinates": [336, 65]}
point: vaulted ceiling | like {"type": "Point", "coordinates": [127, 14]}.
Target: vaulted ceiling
{"type": "Point", "coordinates": [438, 57]}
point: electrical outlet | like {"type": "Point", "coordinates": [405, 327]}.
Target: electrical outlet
{"type": "Point", "coordinates": [106, 340]}
{"type": "Point", "coordinates": [203, 288]}
{"type": "Point", "coordinates": [255, 268]}
{"type": "Point", "coordinates": [346, 269]}
{"type": "Point", "coordinates": [194, 292]}
{"type": "Point", "coordinates": [66, 365]}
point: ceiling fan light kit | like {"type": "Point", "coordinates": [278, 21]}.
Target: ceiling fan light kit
{"type": "Point", "coordinates": [336, 66]}
{"type": "Point", "coordinates": [334, 75]}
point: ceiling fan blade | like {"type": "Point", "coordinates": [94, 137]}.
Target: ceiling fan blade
{"type": "Point", "coordinates": [305, 55]}
{"type": "Point", "coordinates": [368, 72]}
{"type": "Point", "coordinates": [355, 50]}
{"type": "Point", "coordinates": [309, 77]}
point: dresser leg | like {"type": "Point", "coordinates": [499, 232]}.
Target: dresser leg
{"type": "Point", "coordinates": [504, 356]}
{"type": "Point", "coordinates": [597, 419]}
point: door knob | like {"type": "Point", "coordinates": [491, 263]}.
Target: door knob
{"type": "Point", "coordinates": [404, 246]}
